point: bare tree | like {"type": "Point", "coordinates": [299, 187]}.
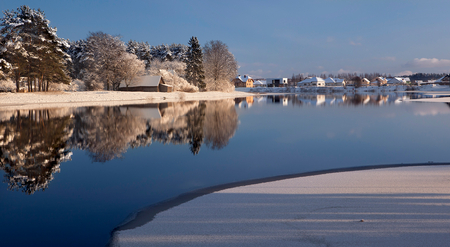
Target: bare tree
{"type": "Point", "coordinates": [131, 69]}
{"type": "Point", "coordinates": [220, 66]}
{"type": "Point", "coordinates": [104, 58]}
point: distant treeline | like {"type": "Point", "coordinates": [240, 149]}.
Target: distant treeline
{"type": "Point", "coordinates": [370, 76]}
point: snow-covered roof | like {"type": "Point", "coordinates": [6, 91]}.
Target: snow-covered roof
{"type": "Point", "coordinates": [317, 79]}
{"type": "Point", "coordinates": [337, 80]}
{"type": "Point", "coordinates": [438, 80]}
{"type": "Point", "coordinates": [245, 79]}
{"type": "Point", "coordinates": [396, 80]}
{"type": "Point", "coordinates": [307, 80]}
{"type": "Point", "coordinates": [330, 80]}
{"type": "Point", "coordinates": [365, 80]}
{"type": "Point", "coordinates": [259, 83]}
{"type": "Point", "coordinates": [145, 81]}
{"type": "Point", "coordinates": [313, 79]}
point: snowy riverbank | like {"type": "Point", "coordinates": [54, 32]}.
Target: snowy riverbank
{"type": "Point", "coordinates": [9, 101]}
{"type": "Point", "coordinates": [386, 207]}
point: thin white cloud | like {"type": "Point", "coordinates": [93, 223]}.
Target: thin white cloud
{"type": "Point", "coordinates": [330, 39]}
{"type": "Point", "coordinates": [428, 63]}
{"type": "Point", "coordinates": [320, 67]}
{"type": "Point", "coordinates": [354, 43]}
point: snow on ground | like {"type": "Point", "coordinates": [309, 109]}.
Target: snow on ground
{"type": "Point", "coordinates": [11, 101]}
{"type": "Point", "coordinates": [385, 207]}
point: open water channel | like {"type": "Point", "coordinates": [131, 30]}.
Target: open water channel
{"type": "Point", "coordinates": [73, 176]}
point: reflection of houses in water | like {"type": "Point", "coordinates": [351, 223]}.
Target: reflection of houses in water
{"type": "Point", "coordinates": [283, 99]}
{"type": "Point", "coordinates": [249, 100]}
{"type": "Point", "coordinates": [346, 99]}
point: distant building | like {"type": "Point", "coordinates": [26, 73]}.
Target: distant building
{"type": "Point", "coordinates": [312, 82]}
{"type": "Point", "coordinates": [259, 84]}
{"type": "Point", "coordinates": [365, 82]}
{"type": "Point", "coordinates": [340, 82]}
{"type": "Point", "coordinates": [396, 81]}
{"type": "Point", "coordinates": [147, 83]}
{"type": "Point", "coordinates": [245, 81]}
{"type": "Point", "coordinates": [330, 82]}
{"type": "Point", "coordinates": [276, 82]}
{"type": "Point", "coordinates": [379, 81]}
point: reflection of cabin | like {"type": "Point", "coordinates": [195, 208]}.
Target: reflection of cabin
{"type": "Point", "coordinates": [245, 81]}
{"type": "Point", "coordinates": [147, 83]}
{"type": "Point", "coordinates": [276, 82]}
{"type": "Point", "coordinates": [145, 111]}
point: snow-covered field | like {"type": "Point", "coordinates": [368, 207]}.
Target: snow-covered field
{"type": "Point", "coordinates": [385, 207]}
{"type": "Point", "coordinates": [11, 101]}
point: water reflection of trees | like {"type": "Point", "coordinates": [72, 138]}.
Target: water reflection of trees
{"type": "Point", "coordinates": [32, 146]}
{"type": "Point", "coordinates": [221, 121]}
{"type": "Point", "coordinates": [34, 143]}
{"type": "Point", "coordinates": [105, 132]}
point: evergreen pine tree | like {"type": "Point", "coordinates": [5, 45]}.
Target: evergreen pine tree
{"type": "Point", "coordinates": [195, 73]}
{"type": "Point", "coordinates": [33, 49]}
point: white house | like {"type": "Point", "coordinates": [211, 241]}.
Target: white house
{"type": "Point", "coordinates": [276, 82]}
{"type": "Point", "coordinates": [365, 82]}
{"type": "Point", "coordinates": [340, 82]}
{"type": "Point", "coordinates": [305, 82]}
{"type": "Point", "coordinates": [312, 82]}
{"type": "Point", "coordinates": [396, 81]}
{"type": "Point", "coordinates": [330, 81]}
{"type": "Point", "coordinates": [259, 84]}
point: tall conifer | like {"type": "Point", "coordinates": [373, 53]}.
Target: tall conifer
{"type": "Point", "coordinates": [195, 73]}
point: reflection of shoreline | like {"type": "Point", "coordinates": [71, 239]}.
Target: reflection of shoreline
{"type": "Point", "coordinates": [317, 99]}
{"type": "Point", "coordinates": [33, 143]}
{"type": "Point", "coordinates": [147, 214]}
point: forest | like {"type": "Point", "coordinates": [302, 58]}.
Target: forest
{"type": "Point", "coordinates": [33, 58]}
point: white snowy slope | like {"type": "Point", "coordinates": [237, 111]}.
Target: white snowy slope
{"type": "Point", "coordinates": [386, 207]}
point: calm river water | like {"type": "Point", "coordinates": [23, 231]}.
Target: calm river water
{"type": "Point", "coordinates": [70, 176]}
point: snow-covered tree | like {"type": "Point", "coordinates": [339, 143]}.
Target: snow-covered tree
{"type": "Point", "coordinates": [172, 73]}
{"type": "Point", "coordinates": [77, 52]}
{"type": "Point", "coordinates": [141, 50]}
{"type": "Point", "coordinates": [131, 69]}
{"type": "Point", "coordinates": [220, 66]}
{"type": "Point", "coordinates": [32, 48]}
{"type": "Point", "coordinates": [194, 72]}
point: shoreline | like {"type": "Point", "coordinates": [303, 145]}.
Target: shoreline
{"type": "Point", "coordinates": [38, 100]}
{"type": "Point", "coordinates": [147, 214]}
{"type": "Point", "coordinates": [41, 100]}
{"type": "Point", "coordinates": [342, 184]}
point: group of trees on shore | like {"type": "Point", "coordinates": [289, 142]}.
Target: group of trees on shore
{"type": "Point", "coordinates": [32, 53]}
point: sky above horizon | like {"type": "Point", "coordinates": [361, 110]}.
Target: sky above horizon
{"type": "Point", "coordinates": [275, 38]}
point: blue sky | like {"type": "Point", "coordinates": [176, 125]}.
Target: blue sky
{"type": "Point", "coordinates": [276, 38]}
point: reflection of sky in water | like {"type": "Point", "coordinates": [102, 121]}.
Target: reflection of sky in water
{"type": "Point", "coordinates": [86, 200]}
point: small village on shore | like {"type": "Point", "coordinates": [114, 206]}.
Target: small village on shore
{"type": "Point", "coordinates": [311, 83]}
